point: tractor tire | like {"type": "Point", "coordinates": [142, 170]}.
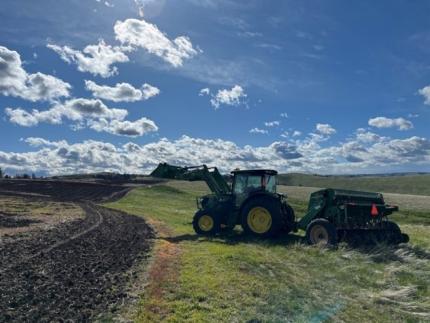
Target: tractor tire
{"type": "Point", "coordinates": [392, 234]}
{"type": "Point", "coordinates": [288, 218]}
{"type": "Point", "coordinates": [261, 217]}
{"type": "Point", "coordinates": [321, 232]}
{"type": "Point", "coordinates": [206, 224]}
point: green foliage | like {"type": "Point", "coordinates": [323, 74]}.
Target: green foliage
{"type": "Point", "coordinates": [231, 278]}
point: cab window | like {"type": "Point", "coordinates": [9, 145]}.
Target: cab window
{"type": "Point", "coordinates": [244, 184]}
{"type": "Point", "coordinates": [270, 183]}
{"type": "Point", "coordinates": [240, 182]}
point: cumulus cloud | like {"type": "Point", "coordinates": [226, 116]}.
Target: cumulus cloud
{"type": "Point", "coordinates": [232, 97]}
{"type": "Point", "coordinates": [124, 127]}
{"type": "Point", "coordinates": [122, 92]}
{"type": "Point", "coordinates": [325, 129]}
{"type": "Point", "coordinates": [259, 131]}
{"type": "Point", "coordinates": [15, 81]}
{"type": "Point", "coordinates": [95, 59]}
{"type": "Point", "coordinates": [91, 113]}
{"type": "Point", "coordinates": [383, 122]}
{"type": "Point", "coordinates": [425, 92]}
{"type": "Point", "coordinates": [141, 34]}
{"type": "Point", "coordinates": [271, 124]}
{"type": "Point", "coordinates": [93, 156]}
{"type": "Point", "coordinates": [363, 135]}
{"type": "Point", "coordinates": [284, 115]}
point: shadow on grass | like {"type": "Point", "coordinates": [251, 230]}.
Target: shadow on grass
{"type": "Point", "coordinates": [385, 253]}
{"type": "Point", "coordinates": [377, 252]}
{"type": "Point", "coordinates": [234, 237]}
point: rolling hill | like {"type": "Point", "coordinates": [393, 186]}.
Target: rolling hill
{"type": "Point", "coordinates": [415, 183]}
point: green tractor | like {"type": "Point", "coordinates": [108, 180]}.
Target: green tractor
{"type": "Point", "coordinates": [252, 202]}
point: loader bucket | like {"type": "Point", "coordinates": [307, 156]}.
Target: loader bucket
{"type": "Point", "coordinates": [165, 170]}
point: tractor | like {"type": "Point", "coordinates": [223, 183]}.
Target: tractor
{"type": "Point", "coordinates": [252, 202]}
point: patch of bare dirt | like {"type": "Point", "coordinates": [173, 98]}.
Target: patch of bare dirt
{"type": "Point", "coordinates": [19, 214]}
{"type": "Point", "coordinates": [77, 269]}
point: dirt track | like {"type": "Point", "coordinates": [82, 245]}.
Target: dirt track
{"type": "Point", "coordinates": [64, 190]}
{"type": "Point", "coordinates": [77, 270]}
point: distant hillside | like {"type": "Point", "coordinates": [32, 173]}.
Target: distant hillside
{"type": "Point", "coordinates": [416, 184]}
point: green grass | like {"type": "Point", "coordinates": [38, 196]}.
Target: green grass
{"type": "Point", "coordinates": [232, 278]}
{"type": "Point", "coordinates": [416, 184]}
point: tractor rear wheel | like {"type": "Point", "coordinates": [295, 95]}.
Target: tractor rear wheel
{"type": "Point", "coordinates": [261, 217]}
{"type": "Point", "coordinates": [288, 218]}
{"type": "Point", "coordinates": [205, 223]}
{"type": "Point", "coordinates": [321, 232]}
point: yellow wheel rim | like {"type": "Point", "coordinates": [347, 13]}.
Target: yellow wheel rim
{"type": "Point", "coordinates": [259, 220]}
{"type": "Point", "coordinates": [206, 223]}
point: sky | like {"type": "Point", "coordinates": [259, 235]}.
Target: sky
{"type": "Point", "coordinates": [327, 87]}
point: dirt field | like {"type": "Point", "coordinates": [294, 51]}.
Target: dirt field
{"type": "Point", "coordinates": [20, 214]}
{"type": "Point", "coordinates": [63, 190]}
{"type": "Point", "coordinates": [61, 256]}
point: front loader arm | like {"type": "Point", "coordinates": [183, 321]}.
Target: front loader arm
{"type": "Point", "coordinates": [213, 178]}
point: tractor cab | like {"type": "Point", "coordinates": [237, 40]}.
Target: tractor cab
{"type": "Point", "coordinates": [251, 182]}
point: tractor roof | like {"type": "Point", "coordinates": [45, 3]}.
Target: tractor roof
{"type": "Point", "coordinates": [255, 172]}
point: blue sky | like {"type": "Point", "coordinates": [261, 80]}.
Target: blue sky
{"type": "Point", "coordinates": [325, 87]}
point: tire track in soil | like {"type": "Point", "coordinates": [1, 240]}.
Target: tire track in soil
{"type": "Point", "coordinates": [75, 271]}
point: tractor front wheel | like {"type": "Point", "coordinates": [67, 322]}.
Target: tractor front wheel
{"type": "Point", "coordinates": [321, 232]}
{"type": "Point", "coordinates": [205, 223]}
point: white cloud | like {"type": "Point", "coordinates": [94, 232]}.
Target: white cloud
{"type": "Point", "coordinates": [383, 122]}
{"type": "Point", "coordinates": [425, 92]}
{"type": "Point", "coordinates": [122, 92]}
{"type": "Point", "coordinates": [15, 81]}
{"type": "Point", "coordinates": [325, 129]}
{"type": "Point", "coordinates": [259, 131]}
{"type": "Point", "coordinates": [95, 59]}
{"type": "Point", "coordinates": [124, 128]}
{"type": "Point", "coordinates": [91, 113]}
{"type": "Point", "coordinates": [94, 156]}
{"type": "Point", "coordinates": [149, 91]}
{"type": "Point", "coordinates": [142, 5]}
{"type": "Point", "coordinates": [365, 136]}
{"type": "Point", "coordinates": [139, 33]}
{"type": "Point", "coordinates": [284, 115]}
{"type": "Point", "coordinates": [205, 91]}
{"type": "Point", "coordinates": [232, 97]}
{"type": "Point", "coordinates": [297, 133]}
{"type": "Point", "coordinates": [271, 124]}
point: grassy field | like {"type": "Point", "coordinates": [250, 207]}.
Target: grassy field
{"type": "Point", "coordinates": [232, 278]}
{"type": "Point", "coordinates": [417, 184]}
